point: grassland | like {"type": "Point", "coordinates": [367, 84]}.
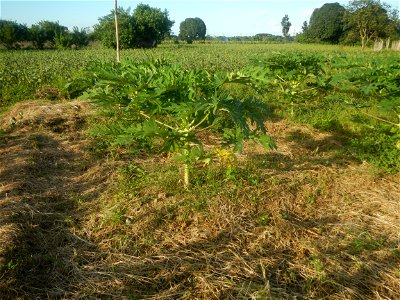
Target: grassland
{"type": "Point", "coordinates": [317, 218]}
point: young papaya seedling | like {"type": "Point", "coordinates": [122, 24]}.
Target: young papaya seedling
{"type": "Point", "coordinates": [169, 107]}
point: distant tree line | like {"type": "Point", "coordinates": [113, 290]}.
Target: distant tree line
{"type": "Point", "coordinates": [144, 28]}
{"type": "Point", "coordinates": [43, 34]}
{"type": "Point", "coordinates": [361, 22]}
{"type": "Point", "coordinates": [258, 38]}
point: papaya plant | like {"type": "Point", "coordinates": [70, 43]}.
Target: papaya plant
{"type": "Point", "coordinates": [294, 78]}
{"type": "Point", "coordinates": [169, 107]}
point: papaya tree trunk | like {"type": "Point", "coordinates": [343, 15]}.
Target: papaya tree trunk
{"type": "Point", "coordinates": [116, 29]}
{"type": "Point", "coordinates": [292, 109]}
{"type": "Point", "coordinates": [186, 170]}
{"type": "Point", "coordinates": [186, 176]}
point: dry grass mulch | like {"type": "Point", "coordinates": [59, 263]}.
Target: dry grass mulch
{"type": "Point", "coordinates": [303, 222]}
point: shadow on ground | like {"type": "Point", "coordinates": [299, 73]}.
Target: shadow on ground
{"type": "Point", "coordinates": [43, 177]}
{"type": "Point", "coordinates": [304, 230]}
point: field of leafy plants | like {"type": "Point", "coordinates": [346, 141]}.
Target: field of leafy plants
{"type": "Point", "coordinates": [205, 171]}
{"type": "Point", "coordinates": [343, 90]}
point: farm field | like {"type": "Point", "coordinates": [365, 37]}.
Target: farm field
{"type": "Point", "coordinates": [30, 69]}
{"type": "Point", "coordinates": [86, 215]}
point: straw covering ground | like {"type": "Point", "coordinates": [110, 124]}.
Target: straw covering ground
{"type": "Point", "coordinates": [305, 221]}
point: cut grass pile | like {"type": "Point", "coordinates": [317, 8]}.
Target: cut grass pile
{"type": "Point", "coordinates": [303, 222]}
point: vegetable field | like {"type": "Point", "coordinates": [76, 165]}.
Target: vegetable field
{"type": "Point", "coordinates": [344, 90]}
{"type": "Point", "coordinates": [203, 171]}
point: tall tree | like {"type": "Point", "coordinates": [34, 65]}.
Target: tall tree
{"type": "Point", "coordinates": [145, 28]}
{"type": "Point", "coordinates": [304, 27]}
{"type": "Point", "coordinates": [105, 29]}
{"type": "Point", "coordinates": [286, 26]}
{"type": "Point", "coordinates": [151, 26]}
{"type": "Point", "coordinates": [192, 29]}
{"type": "Point", "coordinates": [326, 23]}
{"type": "Point", "coordinates": [367, 19]}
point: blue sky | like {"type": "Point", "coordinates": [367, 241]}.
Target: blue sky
{"type": "Point", "coordinates": [222, 17]}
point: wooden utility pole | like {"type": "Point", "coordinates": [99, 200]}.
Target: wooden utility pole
{"type": "Point", "coordinates": [116, 28]}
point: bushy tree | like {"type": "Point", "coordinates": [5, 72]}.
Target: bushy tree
{"type": "Point", "coordinates": [47, 31]}
{"type": "Point", "coordinates": [151, 26]}
{"type": "Point", "coordinates": [286, 26]}
{"type": "Point", "coordinates": [192, 29]}
{"type": "Point", "coordinates": [367, 20]}
{"type": "Point", "coordinates": [12, 33]}
{"type": "Point", "coordinates": [105, 29]}
{"type": "Point", "coordinates": [80, 37]}
{"type": "Point", "coordinates": [326, 23]}
{"type": "Point", "coordinates": [144, 28]}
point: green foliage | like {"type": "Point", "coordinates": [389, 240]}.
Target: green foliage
{"type": "Point", "coordinates": [46, 31]}
{"type": "Point", "coordinates": [11, 33]}
{"type": "Point", "coordinates": [192, 29]}
{"type": "Point", "coordinates": [341, 91]}
{"type": "Point", "coordinates": [262, 37]}
{"type": "Point", "coordinates": [339, 94]}
{"type": "Point", "coordinates": [380, 146]}
{"type": "Point", "coordinates": [295, 78]}
{"type": "Point", "coordinates": [144, 28]}
{"type": "Point", "coordinates": [379, 142]}
{"type": "Point", "coordinates": [105, 29]}
{"type": "Point", "coordinates": [23, 73]}
{"type": "Point", "coordinates": [304, 27]}
{"type": "Point", "coordinates": [288, 65]}
{"type": "Point", "coordinates": [62, 40]}
{"type": "Point", "coordinates": [151, 26]}
{"type": "Point", "coordinates": [366, 243]}
{"type": "Point", "coordinates": [169, 106]}
{"type": "Point", "coordinates": [263, 219]}
{"type": "Point", "coordinates": [368, 20]}
{"type": "Point", "coordinates": [80, 37]}
{"type": "Point", "coordinates": [286, 26]}
{"type": "Point", "coordinates": [326, 23]}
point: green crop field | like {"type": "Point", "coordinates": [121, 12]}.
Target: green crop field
{"type": "Point", "coordinates": [202, 171]}
{"type": "Point", "coordinates": [29, 70]}
{"type": "Point", "coordinates": [332, 88]}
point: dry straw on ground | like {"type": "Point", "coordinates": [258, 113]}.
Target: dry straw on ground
{"type": "Point", "coordinates": [303, 222]}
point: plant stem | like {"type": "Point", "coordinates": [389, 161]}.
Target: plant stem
{"type": "Point", "coordinates": [201, 122]}
{"type": "Point", "coordinates": [158, 122]}
{"type": "Point", "coordinates": [380, 119]}
{"type": "Point", "coordinates": [186, 174]}
{"type": "Point", "coordinates": [292, 109]}
{"type": "Point", "coordinates": [186, 177]}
